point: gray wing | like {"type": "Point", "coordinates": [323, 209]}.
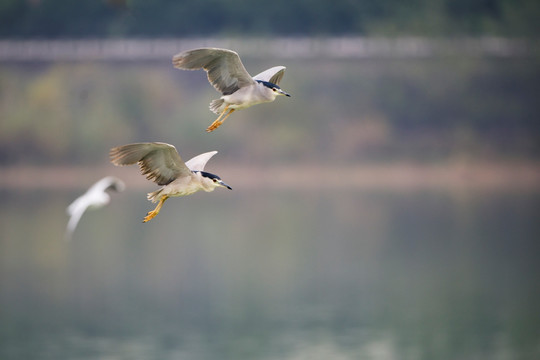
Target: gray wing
{"type": "Point", "coordinates": [273, 75]}
{"type": "Point", "coordinates": [225, 70]}
{"type": "Point", "coordinates": [199, 162]}
{"type": "Point", "coordinates": [159, 162]}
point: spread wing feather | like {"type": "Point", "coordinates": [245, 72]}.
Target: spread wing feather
{"type": "Point", "coordinates": [198, 162]}
{"type": "Point", "coordinates": [159, 162]}
{"type": "Point", "coordinates": [224, 68]}
{"type": "Point", "coordinates": [273, 75]}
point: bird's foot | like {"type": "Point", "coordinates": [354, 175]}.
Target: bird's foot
{"type": "Point", "coordinates": [214, 126]}
{"type": "Point", "coordinates": [150, 215]}
{"type": "Point", "coordinates": [220, 120]}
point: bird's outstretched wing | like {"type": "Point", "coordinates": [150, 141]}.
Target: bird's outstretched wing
{"type": "Point", "coordinates": [224, 67]}
{"type": "Point", "coordinates": [272, 75]}
{"type": "Point", "coordinates": [159, 162]}
{"type": "Point", "coordinates": [75, 210]}
{"type": "Point", "coordinates": [199, 162]}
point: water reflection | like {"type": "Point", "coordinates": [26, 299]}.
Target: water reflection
{"type": "Point", "coordinates": [273, 275]}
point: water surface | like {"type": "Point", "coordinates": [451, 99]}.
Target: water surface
{"type": "Point", "coordinates": [273, 275]}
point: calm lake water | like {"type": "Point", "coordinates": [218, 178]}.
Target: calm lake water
{"type": "Point", "coordinates": [273, 275]}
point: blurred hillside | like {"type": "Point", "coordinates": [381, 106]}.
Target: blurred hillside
{"type": "Point", "coordinates": [165, 18]}
{"type": "Point", "coordinates": [379, 108]}
{"type": "Point", "coordinates": [429, 80]}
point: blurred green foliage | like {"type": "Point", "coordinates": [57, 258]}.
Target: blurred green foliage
{"type": "Point", "coordinates": [158, 18]}
{"type": "Point", "coordinates": [340, 111]}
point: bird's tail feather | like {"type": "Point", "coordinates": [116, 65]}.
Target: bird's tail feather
{"type": "Point", "coordinates": [216, 106]}
{"type": "Point", "coordinates": [154, 195]}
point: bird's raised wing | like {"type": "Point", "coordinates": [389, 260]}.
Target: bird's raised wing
{"type": "Point", "coordinates": [108, 182]}
{"type": "Point", "coordinates": [225, 70]}
{"type": "Point", "coordinates": [159, 162]}
{"type": "Point", "coordinates": [272, 75]}
{"type": "Point", "coordinates": [199, 162]}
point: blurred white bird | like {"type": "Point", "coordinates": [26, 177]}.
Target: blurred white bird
{"type": "Point", "coordinates": [95, 197]}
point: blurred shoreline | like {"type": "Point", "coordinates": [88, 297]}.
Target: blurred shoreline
{"type": "Point", "coordinates": [518, 175]}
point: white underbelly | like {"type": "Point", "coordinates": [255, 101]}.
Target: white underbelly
{"type": "Point", "coordinates": [245, 98]}
{"type": "Point", "coordinates": [183, 188]}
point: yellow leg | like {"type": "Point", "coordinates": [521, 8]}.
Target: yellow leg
{"type": "Point", "coordinates": [220, 121]}
{"type": "Point", "coordinates": [152, 214]}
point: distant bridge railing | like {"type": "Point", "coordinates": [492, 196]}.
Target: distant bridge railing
{"type": "Point", "coordinates": [335, 47]}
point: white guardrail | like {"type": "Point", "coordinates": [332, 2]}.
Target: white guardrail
{"type": "Point", "coordinates": [341, 47]}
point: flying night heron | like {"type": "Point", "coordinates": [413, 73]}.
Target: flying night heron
{"type": "Point", "coordinates": [229, 76]}
{"type": "Point", "coordinates": [162, 164]}
{"type": "Point", "coordinates": [94, 198]}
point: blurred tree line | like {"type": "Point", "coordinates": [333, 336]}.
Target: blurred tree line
{"type": "Point", "coordinates": [177, 18]}
{"type": "Point", "coordinates": [432, 109]}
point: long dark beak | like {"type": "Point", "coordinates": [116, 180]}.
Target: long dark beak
{"type": "Point", "coordinates": [225, 185]}
{"type": "Point", "coordinates": [284, 93]}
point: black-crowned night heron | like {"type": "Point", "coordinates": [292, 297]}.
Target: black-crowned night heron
{"type": "Point", "coordinates": [162, 164]}
{"type": "Point", "coordinates": [229, 76]}
{"type": "Point", "coordinates": [95, 197]}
